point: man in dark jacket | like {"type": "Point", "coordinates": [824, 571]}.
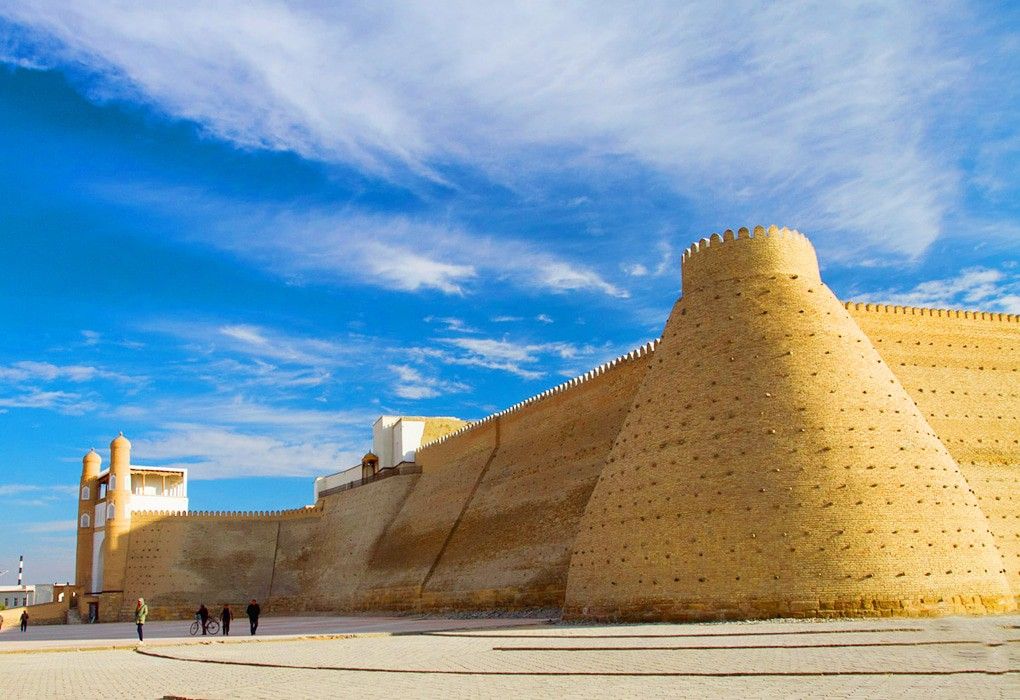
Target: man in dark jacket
{"type": "Point", "coordinates": [225, 617]}
{"type": "Point", "coordinates": [253, 611]}
{"type": "Point", "coordinates": [24, 620]}
{"type": "Point", "coordinates": [203, 616]}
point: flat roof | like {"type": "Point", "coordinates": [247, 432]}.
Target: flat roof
{"type": "Point", "coordinates": [142, 468]}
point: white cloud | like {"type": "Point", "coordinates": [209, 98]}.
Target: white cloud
{"type": "Point", "coordinates": [412, 384]}
{"type": "Point", "coordinates": [215, 453]}
{"type": "Point", "coordinates": [452, 325]}
{"type": "Point", "coordinates": [544, 318]}
{"type": "Point", "coordinates": [30, 370]}
{"type": "Point", "coordinates": [660, 268]}
{"type": "Point", "coordinates": [829, 108]}
{"type": "Point", "coordinates": [62, 401]}
{"type": "Point", "coordinates": [401, 253]}
{"type": "Point", "coordinates": [267, 347]}
{"type": "Point", "coordinates": [225, 437]}
{"type": "Point", "coordinates": [978, 288]}
{"type": "Point", "coordinates": [505, 355]}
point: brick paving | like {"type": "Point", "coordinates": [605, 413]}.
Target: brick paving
{"type": "Point", "coordinates": [942, 658]}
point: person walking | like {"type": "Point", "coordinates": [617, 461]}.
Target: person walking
{"type": "Point", "coordinates": [24, 620]}
{"type": "Point", "coordinates": [225, 617]}
{"type": "Point", "coordinates": [141, 612]}
{"type": "Point", "coordinates": [203, 616]}
{"type": "Point", "coordinates": [253, 611]}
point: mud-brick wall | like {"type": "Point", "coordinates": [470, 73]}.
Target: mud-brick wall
{"type": "Point", "coordinates": [962, 369]}
{"type": "Point", "coordinates": [511, 547]}
{"type": "Point", "coordinates": [327, 570]}
{"type": "Point", "coordinates": [177, 562]}
{"type": "Point", "coordinates": [405, 554]}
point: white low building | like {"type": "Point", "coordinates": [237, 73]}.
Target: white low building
{"type": "Point", "coordinates": [17, 596]}
{"type": "Point", "coordinates": [395, 441]}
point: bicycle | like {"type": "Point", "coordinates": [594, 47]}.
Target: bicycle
{"type": "Point", "coordinates": [211, 627]}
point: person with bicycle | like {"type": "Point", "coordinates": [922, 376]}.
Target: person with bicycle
{"type": "Point", "coordinates": [203, 616]}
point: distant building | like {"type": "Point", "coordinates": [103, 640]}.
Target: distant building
{"type": "Point", "coordinates": [17, 596]}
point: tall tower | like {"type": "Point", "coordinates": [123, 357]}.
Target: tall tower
{"type": "Point", "coordinates": [772, 464]}
{"type": "Point", "coordinates": [118, 518]}
{"type": "Point", "coordinates": [87, 499]}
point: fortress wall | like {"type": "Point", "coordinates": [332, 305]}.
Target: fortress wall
{"type": "Point", "coordinates": [176, 561]}
{"type": "Point", "coordinates": [325, 569]}
{"type": "Point", "coordinates": [406, 552]}
{"type": "Point", "coordinates": [771, 464]}
{"type": "Point", "coordinates": [962, 369]}
{"type": "Point", "coordinates": [512, 546]}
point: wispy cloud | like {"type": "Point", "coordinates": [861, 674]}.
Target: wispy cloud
{"type": "Point", "coordinates": [235, 355]}
{"type": "Point", "coordinates": [212, 452]}
{"type": "Point", "coordinates": [974, 288]}
{"type": "Point", "coordinates": [398, 252]}
{"type": "Point", "coordinates": [62, 401]}
{"type": "Point", "coordinates": [828, 108]}
{"type": "Point", "coordinates": [521, 359]}
{"type": "Point", "coordinates": [452, 325]}
{"type": "Point", "coordinates": [30, 370]}
{"type": "Point", "coordinates": [412, 384]}
{"type": "Point", "coordinates": [221, 437]}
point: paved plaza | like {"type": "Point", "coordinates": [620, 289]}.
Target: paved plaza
{"type": "Point", "coordinates": [428, 657]}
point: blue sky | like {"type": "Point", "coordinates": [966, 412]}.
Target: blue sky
{"type": "Point", "coordinates": [239, 231]}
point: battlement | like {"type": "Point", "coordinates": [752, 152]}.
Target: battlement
{"type": "Point", "coordinates": [638, 352]}
{"type": "Point", "coordinates": [151, 515]}
{"type": "Point", "coordinates": [748, 253]}
{"type": "Point", "coordinates": [926, 311]}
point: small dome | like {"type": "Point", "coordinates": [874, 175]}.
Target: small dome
{"type": "Point", "coordinates": [91, 457]}
{"type": "Point", "coordinates": [120, 442]}
{"type": "Point", "coordinates": [369, 457]}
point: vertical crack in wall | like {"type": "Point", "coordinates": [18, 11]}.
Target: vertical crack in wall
{"type": "Point", "coordinates": [276, 554]}
{"type": "Point", "coordinates": [463, 510]}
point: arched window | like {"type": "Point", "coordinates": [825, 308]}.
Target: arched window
{"type": "Point", "coordinates": [113, 483]}
{"type": "Point", "coordinates": [110, 511]}
{"type": "Point", "coordinates": [86, 521]}
{"type": "Point", "coordinates": [85, 494]}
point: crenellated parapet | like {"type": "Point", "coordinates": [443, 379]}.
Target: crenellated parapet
{"type": "Point", "coordinates": [748, 253]}
{"type": "Point", "coordinates": [926, 311]}
{"type": "Point", "coordinates": [641, 351]}
{"type": "Point", "coordinates": [154, 515]}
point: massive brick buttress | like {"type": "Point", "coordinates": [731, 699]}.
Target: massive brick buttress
{"type": "Point", "coordinates": [772, 464]}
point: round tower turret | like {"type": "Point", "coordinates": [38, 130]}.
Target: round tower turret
{"type": "Point", "coordinates": [118, 518]}
{"type": "Point", "coordinates": [771, 464]}
{"type": "Point", "coordinates": [87, 500]}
